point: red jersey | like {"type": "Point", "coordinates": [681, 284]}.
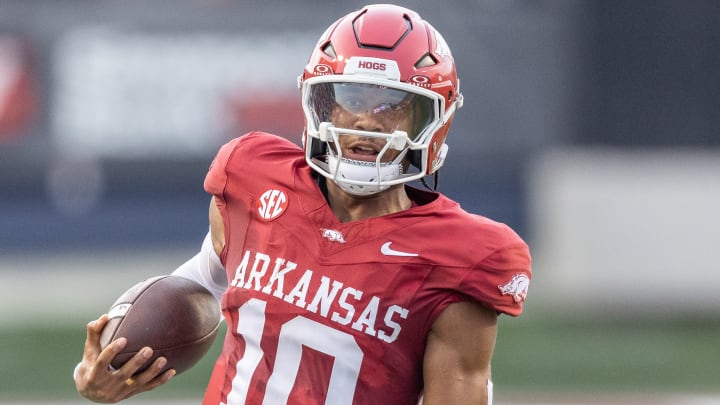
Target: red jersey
{"type": "Point", "coordinates": [325, 312]}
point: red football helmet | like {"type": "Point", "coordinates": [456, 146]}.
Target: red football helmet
{"type": "Point", "coordinates": [386, 62]}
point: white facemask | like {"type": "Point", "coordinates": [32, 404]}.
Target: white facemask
{"type": "Point", "coordinates": [359, 171]}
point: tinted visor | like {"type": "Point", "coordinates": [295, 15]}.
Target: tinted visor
{"type": "Point", "coordinates": [392, 109]}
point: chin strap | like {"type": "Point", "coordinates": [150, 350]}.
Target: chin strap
{"type": "Point", "coordinates": [436, 181]}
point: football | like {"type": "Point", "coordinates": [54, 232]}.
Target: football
{"type": "Point", "coordinates": [176, 317]}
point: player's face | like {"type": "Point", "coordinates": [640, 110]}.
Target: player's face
{"type": "Point", "coordinates": [369, 108]}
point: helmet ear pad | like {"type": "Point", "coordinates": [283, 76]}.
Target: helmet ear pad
{"type": "Point", "coordinates": [437, 150]}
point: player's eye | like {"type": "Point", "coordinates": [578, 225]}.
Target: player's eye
{"type": "Point", "coordinates": [386, 107]}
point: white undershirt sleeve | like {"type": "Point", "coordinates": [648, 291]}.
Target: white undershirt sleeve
{"type": "Point", "coordinates": [206, 269]}
{"type": "Point", "coordinates": [489, 392]}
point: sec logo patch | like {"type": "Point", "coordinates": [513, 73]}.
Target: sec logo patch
{"type": "Point", "coordinates": [272, 204]}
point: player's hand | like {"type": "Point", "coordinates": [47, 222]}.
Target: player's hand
{"type": "Point", "coordinates": [98, 382]}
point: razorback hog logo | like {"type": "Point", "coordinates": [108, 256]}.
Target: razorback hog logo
{"type": "Point", "coordinates": [371, 65]}
{"type": "Point", "coordinates": [333, 235]}
{"type": "Point", "coordinates": [517, 287]}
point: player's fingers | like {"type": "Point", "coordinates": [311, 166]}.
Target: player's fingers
{"type": "Point", "coordinates": [96, 380]}
{"type": "Point", "coordinates": [152, 371]}
{"type": "Point", "coordinates": [107, 354]}
{"type": "Point", "coordinates": [154, 376]}
{"type": "Point", "coordinates": [149, 379]}
{"type": "Point", "coordinates": [92, 341]}
{"type": "Point", "coordinates": [159, 380]}
{"type": "Point", "coordinates": [138, 360]}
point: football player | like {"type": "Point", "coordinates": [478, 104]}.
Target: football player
{"type": "Point", "coordinates": [341, 283]}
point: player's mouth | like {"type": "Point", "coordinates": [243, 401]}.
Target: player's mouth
{"type": "Point", "coordinates": [363, 151]}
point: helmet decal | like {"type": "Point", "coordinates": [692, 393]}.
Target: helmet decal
{"type": "Point", "coordinates": [441, 48]}
{"type": "Point", "coordinates": [420, 80]}
{"type": "Point", "coordinates": [384, 68]}
{"type": "Point", "coordinates": [323, 70]}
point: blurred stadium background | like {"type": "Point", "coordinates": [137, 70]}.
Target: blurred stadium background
{"type": "Point", "coordinates": [590, 126]}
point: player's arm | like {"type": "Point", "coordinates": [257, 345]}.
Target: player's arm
{"type": "Point", "coordinates": [206, 268]}
{"type": "Point", "coordinates": [217, 227]}
{"type": "Point", "coordinates": [457, 356]}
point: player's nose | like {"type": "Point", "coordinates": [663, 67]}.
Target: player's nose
{"type": "Point", "coordinates": [368, 122]}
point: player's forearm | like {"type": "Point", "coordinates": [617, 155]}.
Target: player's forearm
{"type": "Point", "coordinates": [463, 394]}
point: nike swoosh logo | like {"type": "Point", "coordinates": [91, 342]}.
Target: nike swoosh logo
{"type": "Point", "coordinates": [388, 251]}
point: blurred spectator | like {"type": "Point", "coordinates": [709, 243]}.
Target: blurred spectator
{"type": "Point", "coordinates": [17, 87]}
